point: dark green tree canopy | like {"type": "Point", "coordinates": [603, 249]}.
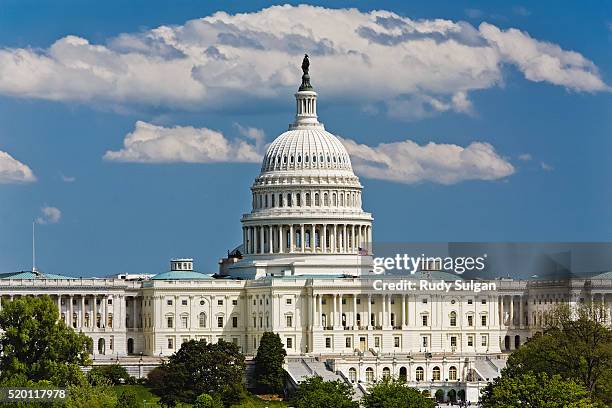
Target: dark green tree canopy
{"type": "Point", "coordinates": [316, 393]}
{"type": "Point", "coordinates": [392, 393]}
{"type": "Point", "coordinates": [200, 368]}
{"type": "Point", "coordinates": [37, 346]}
{"type": "Point", "coordinates": [576, 344]}
{"type": "Point", "coordinates": [269, 371]}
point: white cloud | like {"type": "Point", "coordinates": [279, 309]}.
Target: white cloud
{"type": "Point", "coordinates": [407, 162]}
{"type": "Point", "coordinates": [67, 179]}
{"type": "Point", "coordinates": [50, 215]}
{"type": "Point", "coordinates": [150, 143]}
{"type": "Point", "coordinates": [226, 59]}
{"type": "Point", "coordinates": [543, 61]}
{"type": "Point", "coordinates": [13, 171]}
{"type": "Point", "coordinates": [525, 157]}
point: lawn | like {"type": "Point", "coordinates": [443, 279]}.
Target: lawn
{"type": "Point", "coordinates": [253, 401]}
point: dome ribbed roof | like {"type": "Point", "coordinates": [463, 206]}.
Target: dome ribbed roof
{"type": "Point", "coordinates": [306, 148]}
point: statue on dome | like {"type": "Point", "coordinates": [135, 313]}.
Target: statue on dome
{"type": "Point", "coordinates": [305, 64]}
{"type": "Point", "coordinates": [305, 77]}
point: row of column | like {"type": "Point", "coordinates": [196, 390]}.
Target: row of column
{"type": "Point", "coordinates": [300, 238]}
{"type": "Point", "coordinates": [507, 317]}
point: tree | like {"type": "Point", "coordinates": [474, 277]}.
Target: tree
{"type": "Point", "coordinates": [391, 393]}
{"type": "Point", "coordinates": [84, 394]}
{"type": "Point", "coordinates": [200, 368]}
{"type": "Point", "coordinates": [535, 390]}
{"type": "Point", "coordinates": [128, 399]}
{"type": "Point", "coordinates": [576, 344]}
{"type": "Point", "coordinates": [269, 371]}
{"type": "Point", "coordinates": [115, 373]}
{"type": "Point", "coordinates": [206, 401]}
{"type": "Point", "coordinates": [38, 346]}
{"type": "Point", "coordinates": [439, 395]}
{"type": "Point", "coordinates": [316, 393]}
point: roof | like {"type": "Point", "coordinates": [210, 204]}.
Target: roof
{"type": "Point", "coordinates": [181, 275]}
{"type": "Point", "coordinates": [605, 275]}
{"type": "Point", "coordinates": [33, 275]}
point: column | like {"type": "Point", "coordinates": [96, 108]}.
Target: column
{"type": "Point", "coordinates": [105, 306]}
{"type": "Point", "coordinates": [82, 323]}
{"type": "Point", "coordinates": [95, 312]}
{"type": "Point", "coordinates": [521, 312]}
{"type": "Point", "coordinates": [291, 237]}
{"type": "Point", "coordinates": [340, 307]}
{"type": "Point", "coordinates": [354, 312]}
{"type": "Point", "coordinates": [270, 240]}
{"type": "Point", "coordinates": [335, 311]}
{"type": "Point", "coordinates": [383, 299]}
{"type": "Point", "coordinates": [313, 242]}
{"type": "Point", "coordinates": [368, 320]}
{"type": "Point", "coordinates": [320, 318]}
{"type": "Point", "coordinates": [403, 311]}
{"type": "Point", "coordinates": [244, 240]}
{"type": "Point", "coordinates": [261, 240]}
{"type": "Point", "coordinates": [324, 242]}
{"type": "Point", "coordinates": [281, 234]}
{"type": "Point", "coordinates": [134, 303]}
{"type": "Point", "coordinates": [344, 241]}
{"type": "Point", "coordinates": [59, 304]}
{"type": "Point", "coordinates": [512, 311]}
{"type": "Point", "coordinates": [335, 239]}
{"type": "Point", "coordinates": [369, 229]}
{"type": "Point", "coordinates": [302, 237]}
{"type": "Point", "coordinates": [70, 311]}
{"type": "Point", "coordinates": [255, 240]}
{"type": "Point", "coordinates": [501, 311]}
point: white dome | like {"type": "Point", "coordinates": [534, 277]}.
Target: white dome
{"type": "Point", "coordinates": [310, 147]}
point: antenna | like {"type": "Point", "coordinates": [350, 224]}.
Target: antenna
{"type": "Point", "coordinates": [33, 248]}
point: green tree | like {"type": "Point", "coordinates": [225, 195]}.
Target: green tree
{"type": "Point", "coordinates": [391, 393]}
{"type": "Point", "coordinates": [114, 373]}
{"type": "Point", "coordinates": [207, 401]}
{"type": "Point", "coordinates": [85, 395]}
{"type": "Point", "coordinates": [535, 390]}
{"type": "Point", "coordinates": [316, 393]}
{"type": "Point", "coordinates": [269, 371]}
{"type": "Point", "coordinates": [575, 344]}
{"type": "Point", "coordinates": [200, 368]}
{"type": "Point", "coordinates": [128, 399]}
{"type": "Point", "coordinates": [37, 345]}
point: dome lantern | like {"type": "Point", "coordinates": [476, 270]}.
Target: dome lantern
{"type": "Point", "coordinates": [306, 100]}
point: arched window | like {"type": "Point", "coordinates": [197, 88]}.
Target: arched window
{"type": "Point", "coordinates": [386, 373]}
{"type": "Point", "coordinates": [369, 374]}
{"type": "Point", "coordinates": [317, 203]}
{"type": "Point", "coordinates": [202, 319]}
{"type": "Point", "coordinates": [273, 196]}
{"type": "Point", "coordinates": [325, 200]}
{"type": "Point", "coordinates": [358, 319]}
{"type": "Point", "coordinates": [299, 159]}
{"type": "Point", "coordinates": [420, 374]}
{"type": "Point", "coordinates": [334, 200]}
{"type": "Point", "coordinates": [453, 318]}
{"type": "Point", "coordinates": [280, 200]}
{"type": "Point", "coordinates": [308, 199]}
{"type": "Point", "coordinates": [403, 374]}
{"type": "Point", "coordinates": [298, 199]}
{"type": "Point", "coordinates": [289, 200]}
{"type": "Point", "coordinates": [341, 199]}
{"type": "Point", "coordinates": [436, 373]}
{"type": "Point", "coordinates": [452, 373]}
{"type": "Point", "coordinates": [323, 320]}
{"type": "Point", "coordinates": [352, 374]}
{"type": "Point", "coordinates": [314, 158]}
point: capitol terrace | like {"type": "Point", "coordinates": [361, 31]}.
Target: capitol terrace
{"type": "Point", "coordinates": [405, 285]}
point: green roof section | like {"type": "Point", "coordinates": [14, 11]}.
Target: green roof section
{"type": "Point", "coordinates": [181, 275]}
{"type": "Point", "coordinates": [605, 275]}
{"type": "Point", "coordinates": [33, 275]}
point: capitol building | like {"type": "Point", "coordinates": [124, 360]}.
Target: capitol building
{"type": "Point", "coordinates": [304, 271]}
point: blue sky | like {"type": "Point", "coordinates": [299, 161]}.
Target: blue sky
{"type": "Point", "coordinates": [518, 95]}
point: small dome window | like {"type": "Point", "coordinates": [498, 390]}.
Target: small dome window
{"type": "Point", "coordinates": [328, 160]}
{"type": "Point", "coordinates": [299, 160]}
{"type": "Point", "coordinates": [306, 158]}
{"type": "Point", "coordinates": [285, 159]}
{"type": "Point", "coordinates": [291, 159]}
{"type": "Point", "coordinates": [314, 158]}
{"type": "Point", "coordinates": [321, 157]}
{"type": "Point", "coordinates": [334, 159]}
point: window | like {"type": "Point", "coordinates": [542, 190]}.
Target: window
{"type": "Point", "coordinates": [484, 341]}
{"type": "Point", "coordinates": [377, 341]}
{"type": "Point", "coordinates": [453, 341]}
{"type": "Point", "coordinates": [396, 342]}
{"type": "Point", "coordinates": [424, 300]}
{"type": "Point", "coordinates": [453, 318]}
{"type": "Point", "coordinates": [420, 374]}
{"type": "Point", "coordinates": [288, 301]}
{"type": "Point", "coordinates": [425, 342]}
{"type": "Point", "coordinates": [358, 319]}
{"type": "Point", "coordinates": [202, 319]}
{"type": "Point", "coordinates": [170, 343]}
{"type": "Point", "coordinates": [184, 321]}
{"type": "Point", "coordinates": [436, 373]}
{"type": "Point", "coordinates": [289, 320]}
{"type": "Point", "coordinates": [170, 322]}
{"type": "Point", "coordinates": [347, 342]}
{"type": "Point", "coordinates": [169, 302]}
{"type": "Point", "coordinates": [483, 320]}
{"type": "Point", "coordinates": [201, 303]}
{"type": "Point", "coordinates": [470, 341]}
{"type": "Point", "coordinates": [352, 375]}
{"type": "Point", "coordinates": [184, 302]}
{"type": "Point", "coordinates": [328, 342]}
{"type": "Point", "coordinates": [452, 373]}
{"type": "Point", "coordinates": [470, 320]}
{"type": "Point", "coordinates": [369, 374]}
{"type": "Point", "coordinates": [234, 321]}
{"type": "Point", "coordinates": [220, 321]}
{"type": "Point", "coordinates": [470, 301]}
{"type": "Point", "coordinates": [483, 301]}
{"type": "Point", "coordinates": [220, 302]}
{"type": "Point", "coordinates": [234, 302]}
{"type": "Point", "coordinates": [110, 301]}
{"type": "Point", "coordinates": [424, 320]}
{"type": "Point", "coordinates": [393, 319]}
{"type": "Point", "coordinates": [386, 373]}
{"type": "Point", "coordinates": [289, 342]}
